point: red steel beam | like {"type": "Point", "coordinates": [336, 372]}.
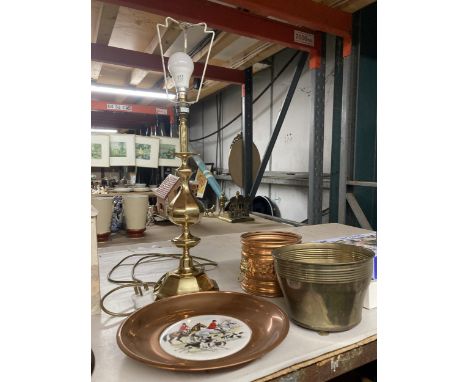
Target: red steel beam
{"type": "Point", "coordinates": [227, 19]}
{"type": "Point", "coordinates": [130, 58]}
{"type": "Point", "coordinates": [133, 108]}
{"type": "Point", "coordinates": [121, 120]}
{"type": "Point", "coordinates": [128, 108]}
{"type": "Point", "coordinates": [307, 13]}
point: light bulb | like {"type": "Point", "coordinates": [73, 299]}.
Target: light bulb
{"type": "Point", "coordinates": [180, 66]}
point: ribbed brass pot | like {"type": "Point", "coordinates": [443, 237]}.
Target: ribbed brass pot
{"type": "Point", "coordinates": [324, 284]}
{"type": "Point", "coordinates": [257, 270]}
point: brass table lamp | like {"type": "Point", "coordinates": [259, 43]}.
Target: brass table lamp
{"type": "Point", "coordinates": [183, 209]}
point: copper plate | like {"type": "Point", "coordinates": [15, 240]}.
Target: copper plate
{"type": "Point", "coordinates": [138, 336]}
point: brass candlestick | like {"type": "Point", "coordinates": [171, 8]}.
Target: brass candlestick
{"type": "Point", "coordinates": [184, 211]}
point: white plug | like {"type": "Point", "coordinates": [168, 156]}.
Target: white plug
{"type": "Point", "coordinates": [142, 298]}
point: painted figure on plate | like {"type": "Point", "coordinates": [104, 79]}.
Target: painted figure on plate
{"type": "Point", "coordinates": [213, 325]}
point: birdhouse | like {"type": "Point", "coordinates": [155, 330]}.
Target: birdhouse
{"type": "Point", "coordinates": [166, 191]}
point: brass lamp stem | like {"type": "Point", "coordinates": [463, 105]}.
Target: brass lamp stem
{"type": "Point", "coordinates": [184, 211]}
{"type": "Point", "coordinates": [183, 122]}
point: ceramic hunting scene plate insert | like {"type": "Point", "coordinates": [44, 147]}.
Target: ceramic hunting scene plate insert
{"type": "Point", "coordinates": [205, 337]}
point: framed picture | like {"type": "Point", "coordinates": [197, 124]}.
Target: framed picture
{"type": "Point", "coordinates": [99, 150]}
{"type": "Point", "coordinates": [122, 150]}
{"type": "Point", "coordinates": [167, 149]}
{"type": "Point", "coordinates": [146, 151]}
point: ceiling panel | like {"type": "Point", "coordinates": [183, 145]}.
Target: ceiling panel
{"type": "Point", "coordinates": [241, 44]}
{"type": "Point", "coordinates": [194, 37]}
{"type": "Point", "coordinates": [95, 12]}
{"type": "Point", "coordinates": [150, 80]}
{"type": "Point", "coordinates": [114, 75]}
{"type": "Point", "coordinates": [134, 29]}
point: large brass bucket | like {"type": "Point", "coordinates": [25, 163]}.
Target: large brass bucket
{"type": "Point", "coordinates": [257, 271]}
{"type": "Point", "coordinates": [324, 284]}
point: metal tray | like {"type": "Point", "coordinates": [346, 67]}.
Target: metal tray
{"type": "Point", "coordinates": [248, 328]}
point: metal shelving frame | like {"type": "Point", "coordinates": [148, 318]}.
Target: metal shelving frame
{"type": "Point", "coordinates": [317, 20]}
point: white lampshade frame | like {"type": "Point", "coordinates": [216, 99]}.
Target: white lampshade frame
{"type": "Point", "coordinates": [179, 66]}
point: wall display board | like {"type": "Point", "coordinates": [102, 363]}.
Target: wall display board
{"type": "Point", "coordinates": [122, 150]}
{"type": "Point", "coordinates": [146, 151]}
{"type": "Point", "coordinates": [167, 149]}
{"type": "Point", "coordinates": [99, 150]}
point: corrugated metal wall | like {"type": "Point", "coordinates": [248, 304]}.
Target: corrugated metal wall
{"type": "Point", "coordinates": [292, 147]}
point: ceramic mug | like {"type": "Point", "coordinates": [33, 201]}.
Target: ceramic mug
{"type": "Point", "coordinates": [105, 207]}
{"type": "Point", "coordinates": [135, 208]}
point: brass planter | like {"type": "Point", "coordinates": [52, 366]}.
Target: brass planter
{"type": "Point", "coordinates": [258, 276]}
{"type": "Point", "coordinates": [324, 284]}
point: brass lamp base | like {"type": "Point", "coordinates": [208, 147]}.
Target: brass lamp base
{"type": "Point", "coordinates": [175, 284]}
{"type": "Point", "coordinates": [226, 218]}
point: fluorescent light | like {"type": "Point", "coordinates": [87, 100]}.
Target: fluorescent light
{"type": "Point", "coordinates": [130, 92]}
{"type": "Point", "coordinates": [110, 131]}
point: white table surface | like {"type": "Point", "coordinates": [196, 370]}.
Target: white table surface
{"type": "Point", "coordinates": [299, 345]}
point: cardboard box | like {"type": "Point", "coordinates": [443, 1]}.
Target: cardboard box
{"type": "Point", "coordinates": [370, 298]}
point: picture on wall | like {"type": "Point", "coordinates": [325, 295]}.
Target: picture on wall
{"type": "Point", "coordinates": [167, 149]}
{"type": "Point", "coordinates": [146, 151]}
{"type": "Point", "coordinates": [142, 151]}
{"type": "Point", "coordinates": [122, 150]}
{"type": "Point", "coordinates": [96, 151]}
{"type": "Point", "coordinates": [118, 149]}
{"type": "Point", "coordinates": [99, 150]}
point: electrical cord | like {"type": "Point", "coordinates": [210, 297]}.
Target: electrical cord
{"type": "Point", "coordinates": [119, 264]}
{"type": "Point", "coordinates": [158, 257]}
{"type": "Point", "coordinates": [136, 264]}
{"type": "Point", "coordinates": [255, 100]}
{"type": "Point", "coordinates": [110, 313]}
{"type": "Point", "coordinates": [137, 284]}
